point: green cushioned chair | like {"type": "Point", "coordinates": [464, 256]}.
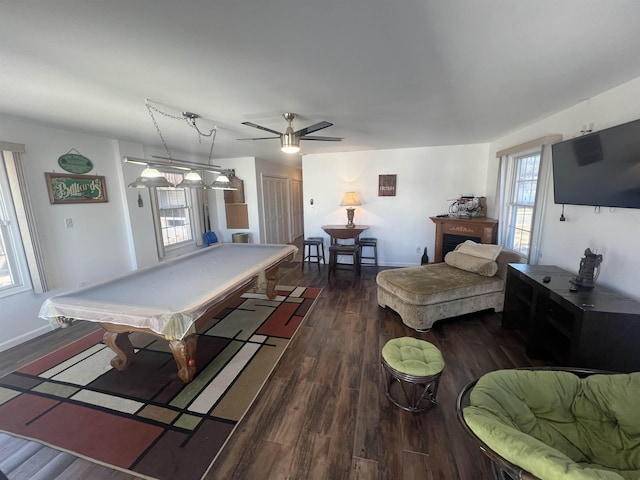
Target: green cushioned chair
{"type": "Point", "coordinates": [552, 423]}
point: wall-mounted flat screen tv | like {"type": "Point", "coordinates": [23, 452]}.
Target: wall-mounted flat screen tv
{"type": "Point", "coordinates": [599, 169]}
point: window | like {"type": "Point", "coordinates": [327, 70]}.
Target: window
{"type": "Point", "coordinates": [14, 277]}
{"type": "Point", "coordinates": [525, 175]}
{"type": "Point", "coordinates": [521, 205]}
{"type": "Point", "coordinates": [174, 213]}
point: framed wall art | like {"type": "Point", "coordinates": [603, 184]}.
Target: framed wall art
{"type": "Point", "coordinates": [70, 188]}
{"type": "Point", "coordinates": [387, 185]}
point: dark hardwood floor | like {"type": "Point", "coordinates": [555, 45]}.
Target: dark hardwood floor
{"type": "Point", "coordinates": [323, 414]}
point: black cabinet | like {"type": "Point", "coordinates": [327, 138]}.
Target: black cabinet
{"type": "Point", "coordinates": [591, 328]}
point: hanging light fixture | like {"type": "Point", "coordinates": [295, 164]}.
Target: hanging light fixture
{"type": "Point", "coordinates": [150, 177]}
{"type": "Point", "coordinates": [150, 173]}
{"type": "Point", "coordinates": [192, 180]}
{"type": "Point", "coordinates": [222, 182]}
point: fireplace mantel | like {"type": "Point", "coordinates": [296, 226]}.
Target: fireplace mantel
{"type": "Point", "coordinates": [483, 228]}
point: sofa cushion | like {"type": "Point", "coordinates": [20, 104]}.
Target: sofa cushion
{"type": "Point", "coordinates": [556, 425]}
{"type": "Point", "coordinates": [469, 263]}
{"type": "Point", "coordinates": [436, 283]}
{"type": "Point", "coordinates": [480, 250]}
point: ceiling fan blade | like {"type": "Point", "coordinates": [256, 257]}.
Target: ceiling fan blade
{"type": "Point", "coordinates": [313, 128]}
{"type": "Point", "coordinates": [258, 138]}
{"type": "Point", "coordinates": [322, 139]}
{"type": "Point", "coordinates": [255, 125]}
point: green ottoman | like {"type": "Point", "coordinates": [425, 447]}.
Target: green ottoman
{"type": "Point", "coordinates": [412, 370]}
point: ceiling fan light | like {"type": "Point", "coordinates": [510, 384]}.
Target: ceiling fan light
{"type": "Point", "coordinates": [291, 149]}
{"type": "Point", "coordinates": [289, 143]}
{"type": "Point", "coordinates": [290, 139]}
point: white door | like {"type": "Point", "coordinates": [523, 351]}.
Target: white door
{"type": "Point", "coordinates": [275, 198]}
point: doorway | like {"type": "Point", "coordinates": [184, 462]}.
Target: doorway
{"type": "Point", "coordinates": [277, 211]}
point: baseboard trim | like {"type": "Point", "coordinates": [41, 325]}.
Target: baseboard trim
{"type": "Point", "coordinates": [14, 342]}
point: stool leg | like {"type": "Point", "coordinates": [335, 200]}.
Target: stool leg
{"type": "Point", "coordinates": [331, 264]}
{"type": "Point", "coordinates": [317, 255]}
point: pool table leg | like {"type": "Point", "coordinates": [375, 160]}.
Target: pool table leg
{"type": "Point", "coordinates": [272, 279]}
{"type": "Point", "coordinates": [121, 345]}
{"type": "Point", "coordinates": [184, 352]}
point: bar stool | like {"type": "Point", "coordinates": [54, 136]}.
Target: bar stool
{"type": "Point", "coordinates": [307, 254]}
{"type": "Point", "coordinates": [412, 368]}
{"type": "Point", "coordinates": [337, 249]}
{"type": "Point", "coordinates": [371, 243]}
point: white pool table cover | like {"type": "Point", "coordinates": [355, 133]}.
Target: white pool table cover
{"type": "Point", "coordinates": [169, 297]}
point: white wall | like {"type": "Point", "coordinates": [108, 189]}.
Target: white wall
{"type": "Point", "coordinates": [139, 220]}
{"type": "Point", "coordinates": [107, 239]}
{"type": "Point", "coordinates": [245, 170]}
{"type": "Point", "coordinates": [611, 232]}
{"type": "Point", "coordinates": [94, 249]}
{"type": "Point", "coordinates": [427, 180]}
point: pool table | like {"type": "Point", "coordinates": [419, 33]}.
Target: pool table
{"type": "Point", "coordinates": [174, 300]}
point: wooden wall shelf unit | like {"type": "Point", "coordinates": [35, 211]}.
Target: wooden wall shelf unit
{"type": "Point", "coordinates": [236, 211]}
{"type": "Point", "coordinates": [480, 229]}
{"type": "Point", "coordinates": [590, 328]}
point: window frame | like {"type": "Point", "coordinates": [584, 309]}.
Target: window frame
{"type": "Point", "coordinates": [165, 250]}
{"type": "Point", "coordinates": [542, 190]}
{"type": "Point", "coordinates": [514, 203]}
{"type": "Point", "coordinates": [11, 238]}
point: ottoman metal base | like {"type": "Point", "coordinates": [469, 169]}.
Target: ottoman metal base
{"type": "Point", "coordinates": [413, 393]}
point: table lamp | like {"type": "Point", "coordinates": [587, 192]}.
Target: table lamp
{"type": "Point", "coordinates": [350, 200]}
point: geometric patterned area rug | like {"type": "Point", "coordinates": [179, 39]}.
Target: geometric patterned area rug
{"type": "Point", "coordinates": [145, 420]}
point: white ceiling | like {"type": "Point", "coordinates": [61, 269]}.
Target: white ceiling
{"type": "Point", "coordinates": [388, 74]}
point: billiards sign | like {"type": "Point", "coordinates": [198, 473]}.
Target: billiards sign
{"type": "Point", "coordinates": [68, 188]}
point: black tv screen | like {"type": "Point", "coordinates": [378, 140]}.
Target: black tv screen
{"type": "Point", "coordinates": [599, 169]}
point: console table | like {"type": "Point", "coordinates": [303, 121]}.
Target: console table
{"type": "Point", "coordinates": [343, 232]}
{"type": "Point", "coordinates": [591, 328]}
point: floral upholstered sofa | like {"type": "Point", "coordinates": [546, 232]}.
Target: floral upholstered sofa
{"type": "Point", "coordinates": [471, 278]}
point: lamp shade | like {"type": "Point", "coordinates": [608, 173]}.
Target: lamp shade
{"type": "Point", "coordinates": [192, 180]}
{"type": "Point", "coordinates": [149, 182]}
{"type": "Point", "coordinates": [350, 199]}
{"type": "Point", "coordinates": [149, 178]}
{"type": "Point", "coordinates": [150, 173]}
{"type": "Point", "coordinates": [222, 183]}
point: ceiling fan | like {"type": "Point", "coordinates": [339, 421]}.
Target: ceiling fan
{"type": "Point", "coordinates": [290, 140]}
